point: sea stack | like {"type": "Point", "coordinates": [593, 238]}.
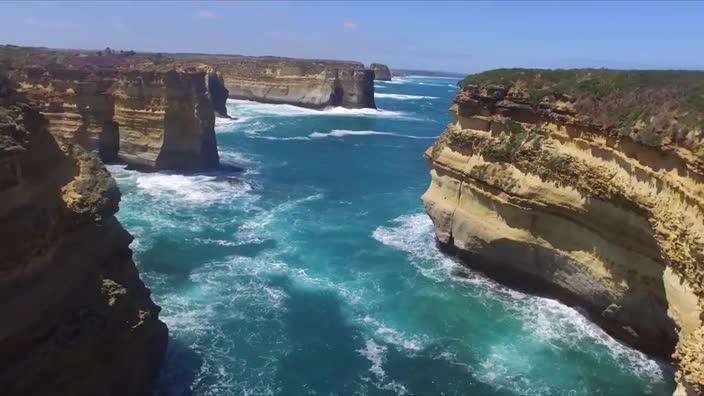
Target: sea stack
{"type": "Point", "coordinates": [588, 185]}
{"type": "Point", "coordinates": [381, 72]}
{"type": "Point", "coordinates": [77, 320]}
{"type": "Point", "coordinates": [145, 111]}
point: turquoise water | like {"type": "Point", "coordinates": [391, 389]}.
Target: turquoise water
{"type": "Point", "coordinates": [313, 269]}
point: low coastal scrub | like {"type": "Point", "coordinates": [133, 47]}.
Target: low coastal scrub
{"type": "Point", "coordinates": [652, 107]}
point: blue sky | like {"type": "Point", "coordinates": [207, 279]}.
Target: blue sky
{"type": "Point", "coordinates": [452, 36]}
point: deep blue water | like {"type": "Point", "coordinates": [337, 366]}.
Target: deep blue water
{"type": "Point", "coordinates": [313, 271]}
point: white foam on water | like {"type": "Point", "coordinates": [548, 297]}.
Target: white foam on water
{"type": "Point", "coordinates": [397, 81]}
{"type": "Point", "coordinates": [156, 201]}
{"type": "Point", "coordinates": [504, 367]}
{"type": "Point", "coordinates": [236, 158]}
{"type": "Point", "coordinates": [219, 242]}
{"type": "Point", "coordinates": [412, 344]}
{"type": "Point", "coordinates": [376, 354]}
{"type": "Point", "coordinates": [224, 292]}
{"type": "Point", "coordinates": [543, 318]}
{"type": "Point", "coordinates": [414, 234]}
{"type": "Point", "coordinates": [198, 189]}
{"type": "Point", "coordinates": [177, 188]}
{"type": "Point", "coordinates": [222, 122]}
{"type": "Point", "coordinates": [558, 325]}
{"type": "Point", "coordinates": [416, 76]}
{"type": "Point", "coordinates": [249, 109]}
{"type": "Point", "coordinates": [402, 97]}
{"type": "Point", "coordinates": [255, 230]}
{"type": "Point", "coordinates": [338, 133]}
{"type": "Point", "coordinates": [280, 137]}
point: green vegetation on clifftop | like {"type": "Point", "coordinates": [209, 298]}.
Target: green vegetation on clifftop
{"type": "Point", "coordinates": [651, 106]}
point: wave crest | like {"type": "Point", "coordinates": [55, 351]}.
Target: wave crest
{"type": "Point", "coordinates": [346, 132]}
{"type": "Point", "coordinates": [403, 97]}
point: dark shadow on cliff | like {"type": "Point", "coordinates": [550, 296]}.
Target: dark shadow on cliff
{"type": "Point", "coordinates": [532, 284]}
{"type": "Point", "coordinates": [181, 367]}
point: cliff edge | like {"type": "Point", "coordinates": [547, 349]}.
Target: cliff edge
{"type": "Point", "coordinates": [77, 320]}
{"type": "Point", "coordinates": [146, 111]}
{"type": "Point", "coordinates": [307, 83]}
{"type": "Point", "coordinates": [587, 185]}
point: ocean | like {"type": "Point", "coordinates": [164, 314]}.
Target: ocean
{"type": "Point", "coordinates": [307, 266]}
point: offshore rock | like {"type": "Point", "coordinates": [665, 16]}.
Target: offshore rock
{"type": "Point", "coordinates": [381, 72]}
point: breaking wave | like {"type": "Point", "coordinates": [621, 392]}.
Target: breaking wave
{"type": "Point", "coordinates": [544, 320]}
{"type": "Point", "coordinates": [403, 97]}
{"type": "Point", "coordinates": [246, 109]}
{"type": "Point", "coordinates": [344, 132]}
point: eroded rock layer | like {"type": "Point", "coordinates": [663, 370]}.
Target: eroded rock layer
{"type": "Point", "coordinates": [587, 185]}
{"type": "Point", "coordinates": [300, 82]}
{"type": "Point", "coordinates": [149, 114]}
{"type": "Point", "coordinates": [77, 320]}
{"type": "Point", "coordinates": [381, 72]}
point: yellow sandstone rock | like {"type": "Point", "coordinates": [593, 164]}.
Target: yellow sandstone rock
{"type": "Point", "coordinates": [529, 185]}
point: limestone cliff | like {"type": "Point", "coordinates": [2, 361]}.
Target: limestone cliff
{"type": "Point", "coordinates": [381, 72]}
{"type": "Point", "coordinates": [147, 112]}
{"type": "Point", "coordinates": [77, 319]}
{"type": "Point", "coordinates": [587, 185]}
{"type": "Point", "coordinates": [301, 82]}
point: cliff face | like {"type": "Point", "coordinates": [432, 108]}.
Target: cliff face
{"type": "Point", "coordinates": [588, 185]}
{"type": "Point", "coordinates": [381, 72]}
{"type": "Point", "coordinates": [306, 83]}
{"type": "Point", "coordinates": [76, 317]}
{"type": "Point", "coordinates": [166, 119]}
{"type": "Point", "coordinates": [149, 115]}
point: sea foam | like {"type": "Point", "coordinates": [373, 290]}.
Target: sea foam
{"type": "Point", "coordinates": [248, 109]}
{"type": "Point", "coordinates": [402, 96]}
{"type": "Point", "coordinates": [545, 320]}
{"type": "Point", "coordinates": [338, 133]}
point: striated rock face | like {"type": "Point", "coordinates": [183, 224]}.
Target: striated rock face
{"type": "Point", "coordinates": [149, 115]}
{"type": "Point", "coordinates": [381, 72]}
{"type": "Point", "coordinates": [77, 319]}
{"type": "Point", "coordinates": [307, 83]}
{"type": "Point", "coordinates": [166, 119]}
{"type": "Point", "coordinates": [587, 185]}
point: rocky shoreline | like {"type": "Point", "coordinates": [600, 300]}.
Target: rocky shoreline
{"type": "Point", "coordinates": [139, 110]}
{"type": "Point", "coordinates": [309, 83]}
{"type": "Point", "coordinates": [532, 183]}
{"type": "Point", "coordinates": [79, 320]}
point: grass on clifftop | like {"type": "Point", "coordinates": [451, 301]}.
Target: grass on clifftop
{"type": "Point", "coordinates": [648, 105]}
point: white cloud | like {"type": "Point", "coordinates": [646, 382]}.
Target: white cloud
{"type": "Point", "coordinates": [205, 14]}
{"type": "Point", "coordinates": [349, 25]}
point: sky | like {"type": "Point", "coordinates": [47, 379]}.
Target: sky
{"type": "Point", "coordinates": [450, 36]}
